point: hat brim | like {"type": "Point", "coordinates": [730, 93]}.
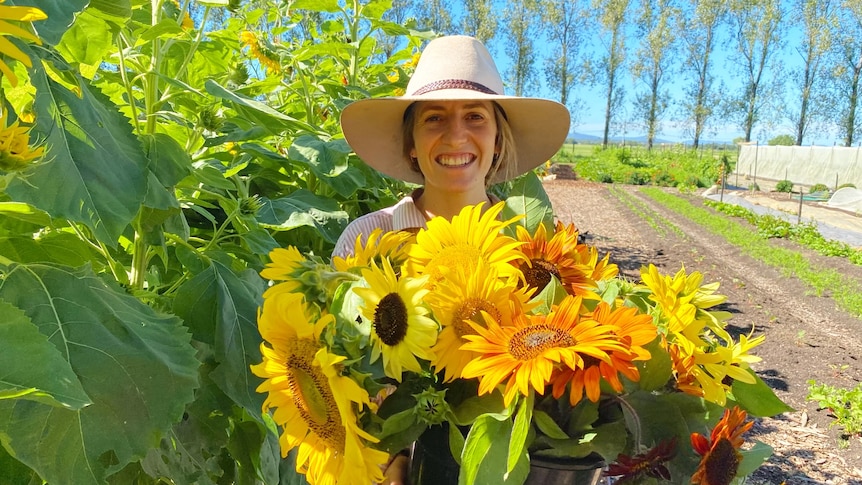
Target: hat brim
{"type": "Point", "coordinates": [373, 129]}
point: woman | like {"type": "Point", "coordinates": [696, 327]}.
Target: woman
{"type": "Point", "coordinates": [454, 133]}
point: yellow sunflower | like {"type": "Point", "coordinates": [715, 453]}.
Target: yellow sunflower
{"type": "Point", "coordinates": [401, 328]}
{"type": "Point", "coordinates": [553, 257]}
{"type": "Point", "coordinates": [720, 452]}
{"type": "Point", "coordinates": [260, 51]}
{"type": "Point", "coordinates": [15, 150]}
{"type": "Point", "coordinates": [462, 299]}
{"type": "Point", "coordinates": [313, 404]}
{"type": "Point", "coordinates": [526, 353]}
{"type": "Point", "coordinates": [21, 14]}
{"type": "Point", "coordinates": [379, 244]}
{"type": "Point", "coordinates": [470, 236]}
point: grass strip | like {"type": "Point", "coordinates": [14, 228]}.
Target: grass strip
{"type": "Point", "coordinates": [846, 292]}
{"type": "Point", "coordinates": [642, 211]}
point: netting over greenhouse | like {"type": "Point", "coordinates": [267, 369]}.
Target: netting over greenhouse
{"type": "Point", "coordinates": [807, 165]}
{"type": "Point", "coordinates": [847, 198]}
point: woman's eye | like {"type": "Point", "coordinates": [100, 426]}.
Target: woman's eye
{"type": "Point", "coordinates": [432, 118]}
{"type": "Point", "coordinates": [476, 116]}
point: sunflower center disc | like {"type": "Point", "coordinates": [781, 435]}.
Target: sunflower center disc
{"type": "Point", "coordinates": [530, 342]}
{"type": "Point", "coordinates": [539, 275]}
{"type": "Point", "coordinates": [722, 463]}
{"type": "Point", "coordinates": [471, 309]}
{"type": "Point", "coordinates": [308, 397]}
{"type": "Point", "coordinates": [390, 319]}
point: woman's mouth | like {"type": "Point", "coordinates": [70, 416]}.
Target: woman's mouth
{"type": "Point", "coordinates": [455, 160]}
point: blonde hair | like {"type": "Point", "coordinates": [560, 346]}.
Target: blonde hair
{"type": "Point", "coordinates": [504, 160]}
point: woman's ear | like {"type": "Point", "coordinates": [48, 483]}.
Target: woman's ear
{"type": "Point", "coordinates": [413, 153]}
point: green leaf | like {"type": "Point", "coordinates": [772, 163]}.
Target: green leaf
{"type": "Point", "coordinates": [60, 17]}
{"type": "Point", "coordinates": [655, 372]}
{"type": "Point", "coordinates": [33, 368]}
{"type": "Point", "coordinates": [168, 160]}
{"type": "Point", "coordinates": [88, 40]}
{"type": "Point", "coordinates": [317, 5]}
{"type": "Point", "coordinates": [456, 442]}
{"type": "Point", "coordinates": [303, 208]}
{"type": "Point", "coordinates": [165, 28]}
{"type": "Point", "coordinates": [328, 161]}
{"type": "Point", "coordinates": [527, 197]}
{"type": "Point", "coordinates": [97, 172]}
{"type": "Point", "coordinates": [548, 426]}
{"type": "Point", "coordinates": [214, 3]}
{"type": "Point", "coordinates": [136, 365]}
{"type": "Point", "coordinates": [257, 112]}
{"type": "Point", "coordinates": [473, 407]}
{"type": "Point", "coordinates": [220, 307]}
{"type": "Point", "coordinates": [752, 458]}
{"type": "Point", "coordinates": [758, 399]}
{"type": "Point", "coordinates": [486, 454]}
{"type": "Point", "coordinates": [25, 212]}
{"type": "Point", "coordinates": [56, 247]}
{"type": "Point", "coordinates": [520, 430]}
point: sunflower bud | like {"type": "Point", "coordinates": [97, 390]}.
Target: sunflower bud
{"type": "Point", "coordinates": [238, 74]}
{"type": "Point", "coordinates": [16, 153]}
{"type": "Point", "coordinates": [431, 406]}
{"type": "Point", "coordinates": [210, 119]}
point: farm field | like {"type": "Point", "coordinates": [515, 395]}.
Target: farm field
{"type": "Point", "coordinates": [807, 336]}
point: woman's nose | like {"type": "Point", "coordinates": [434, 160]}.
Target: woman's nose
{"type": "Point", "coordinates": [456, 131]}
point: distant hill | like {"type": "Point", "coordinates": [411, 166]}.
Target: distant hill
{"type": "Point", "coordinates": [592, 139]}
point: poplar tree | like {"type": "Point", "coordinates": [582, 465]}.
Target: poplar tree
{"type": "Point", "coordinates": [612, 18]}
{"type": "Point", "coordinates": [846, 72]}
{"type": "Point", "coordinates": [756, 26]}
{"type": "Point", "coordinates": [567, 33]}
{"type": "Point", "coordinates": [698, 29]}
{"type": "Point", "coordinates": [656, 25]}
{"type": "Point", "coordinates": [480, 20]}
{"type": "Point", "coordinates": [435, 15]}
{"type": "Point", "coordinates": [818, 19]}
{"type": "Point", "coordinates": [520, 34]}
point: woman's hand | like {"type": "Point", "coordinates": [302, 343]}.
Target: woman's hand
{"type": "Point", "coordinates": [396, 472]}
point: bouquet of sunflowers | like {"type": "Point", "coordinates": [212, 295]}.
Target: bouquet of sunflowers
{"type": "Point", "coordinates": [519, 345]}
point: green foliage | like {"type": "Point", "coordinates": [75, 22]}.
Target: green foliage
{"type": "Point", "coordinates": [784, 186]}
{"type": "Point", "coordinates": [176, 159]}
{"type": "Point", "coordinates": [753, 187]}
{"type": "Point", "coordinates": [818, 188]}
{"type": "Point", "coordinates": [769, 226]}
{"type": "Point", "coordinates": [638, 166]}
{"type": "Point", "coordinates": [845, 405]}
{"type": "Point", "coordinates": [784, 140]}
{"type": "Point", "coordinates": [852, 186]}
{"type": "Point", "coordinates": [846, 291]}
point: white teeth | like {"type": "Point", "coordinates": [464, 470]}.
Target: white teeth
{"type": "Point", "coordinates": [454, 161]}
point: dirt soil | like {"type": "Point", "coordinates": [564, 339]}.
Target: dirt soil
{"type": "Point", "coordinates": [807, 336]}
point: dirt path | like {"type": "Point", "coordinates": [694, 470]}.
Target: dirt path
{"type": "Point", "coordinates": [807, 337]}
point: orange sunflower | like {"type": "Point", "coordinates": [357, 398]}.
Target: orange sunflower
{"type": "Point", "coordinates": [720, 453]}
{"type": "Point", "coordinates": [554, 257]}
{"type": "Point", "coordinates": [526, 353]}
{"type": "Point", "coordinates": [633, 331]}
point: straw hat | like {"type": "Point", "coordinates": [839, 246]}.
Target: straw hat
{"type": "Point", "coordinates": [453, 68]}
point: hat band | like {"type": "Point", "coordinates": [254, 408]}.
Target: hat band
{"type": "Point", "coordinates": [453, 84]}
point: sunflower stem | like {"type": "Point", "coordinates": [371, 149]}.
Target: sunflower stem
{"type": "Point", "coordinates": [636, 421]}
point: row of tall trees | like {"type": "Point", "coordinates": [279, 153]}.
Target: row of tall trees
{"type": "Point", "coordinates": [698, 64]}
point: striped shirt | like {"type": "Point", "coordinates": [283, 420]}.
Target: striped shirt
{"type": "Point", "coordinates": [402, 216]}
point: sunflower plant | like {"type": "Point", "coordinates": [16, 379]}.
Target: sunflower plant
{"type": "Point", "coordinates": [513, 341]}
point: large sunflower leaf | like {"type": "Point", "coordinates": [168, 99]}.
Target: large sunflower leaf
{"type": "Point", "coordinates": [304, 208]}
{"type": "Point", "coordinates": [136, 365]}
{"type": "Point", "coordinates": [527, 197]}
{"type": "Point", "coordinates": [96, 170]}
{"type": "Point", "coordinates": [221, 308]}
{"type": "Point", "coordinates": [31, 367]}
{"type": "Point", "coordinates": [328, 161]}
{"type": "Point", "coordinates": [60, 16]}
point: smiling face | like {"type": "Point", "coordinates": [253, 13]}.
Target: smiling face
{"type": "Point", "coordinates": [454, 142]}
